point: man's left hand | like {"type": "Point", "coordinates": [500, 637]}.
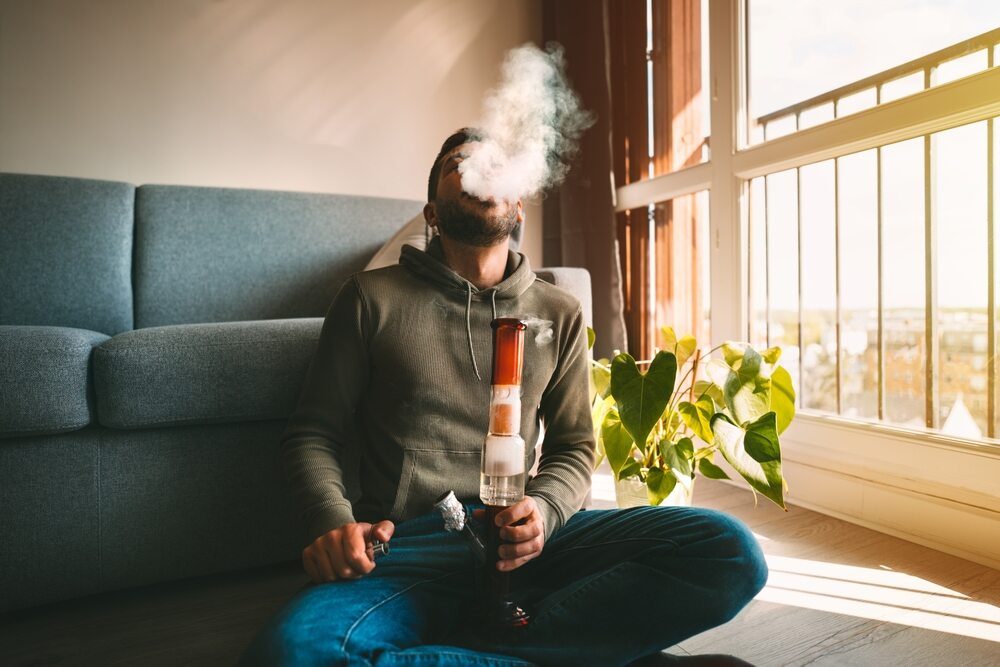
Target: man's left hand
{"type": "Point", "coordinates": [525, 540]}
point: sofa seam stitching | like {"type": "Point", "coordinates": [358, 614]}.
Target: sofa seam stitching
{"type": "Point", "coordinates": [143, 348]}
{"type": "Point", "coordinates": [100, 499]}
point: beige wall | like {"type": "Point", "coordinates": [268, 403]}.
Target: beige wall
{"type": "Point", "coordinates": [314, 95]}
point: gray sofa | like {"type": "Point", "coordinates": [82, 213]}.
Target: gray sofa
{"type": "Point", "coordinates": [152, 342]}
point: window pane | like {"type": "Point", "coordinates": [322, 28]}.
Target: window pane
{"type": "Point", "coordinates": [681, 285]}
{"type": "Point", "coordinates": [959, 67]}
{"type": "Point", "coordinates": [782, 269]}
{"type": "Point", "coordinates": [816, 115]}
{"type": "Point", "coordinates": [758, 266]}
{"type": "Point", "coordinates": [959, 173]}
{"type": "Point", "coordinates": [779, 127]}
{"type": "Point", "coordinates": [858, 223]}
{"type": "Point", "coordinates": [804, 48]}
{"type": "Point", "coordinates": [903, 86]}
{"type": "Point", "coordinates": [996, 257]}
{"type": "Point", "coordinates": [859, 101]}
{"type": "Point", "coordinates": [819, 288]}
{"type": "Point", "coordinates": [904, 312]}
{"type": "Point", "coordinates": [678, 84]}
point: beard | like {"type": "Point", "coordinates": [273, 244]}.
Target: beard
{"type": "Point", "coordinates": [474, 227]}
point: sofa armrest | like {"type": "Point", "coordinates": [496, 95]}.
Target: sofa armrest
{"type": "Point", "coordinates": [574, 280]}
{"type": "Point", "coordinates": [45, 384]}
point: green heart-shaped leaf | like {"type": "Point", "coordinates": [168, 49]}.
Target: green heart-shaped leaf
{"type": "Point", "coordinates": [771, 355]}
{"type": "Point", "coordinates": [682, 347]}
{"type": "Point", "coordinates": [746, 390]}
{"type": "Point", "coordinates": [617, 441]}
{"type": "Point", "coordinates": [698, 417]}
{"type": "Point", "coordinates": [710, 470]}
{"type": "Point", "coordinates": [708, 389]}
{"type": "Point", "coordinates": [685, 349]}
{"type": "Point", "coordinates": [686, 448]}
{"type": "Point", "coordinates": [642, 397]}
{"type": "Point", "coordinates": [782, 398]}
{"type": "Point", "coordinates": [630, 469]}
{"type": "Point", "coordinates": [659, 484]}
{"type": "Point", "coordinates": [754, 453]}
{"type": "Point", "coordinates": [669, 338]}
{"type": "Point", "coordinates": [591, 337]}
{"type": "Point", "coordinates": [673, 455]}
{"type": "Point", "coordinates": [733, 353]}
{"type": "Point", "coordinates": [600, 378]}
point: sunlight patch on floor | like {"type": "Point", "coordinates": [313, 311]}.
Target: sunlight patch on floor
{"type": "Point", "coordinates": [879, 594]}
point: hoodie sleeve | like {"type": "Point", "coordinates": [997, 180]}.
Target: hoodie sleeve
{"type": "Point", "coordinates": [319, 433]}
{"type": "Point", "coordinates": [567, 457]}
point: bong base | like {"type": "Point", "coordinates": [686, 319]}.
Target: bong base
{"type": "Point", "coordinates": [505, 615]}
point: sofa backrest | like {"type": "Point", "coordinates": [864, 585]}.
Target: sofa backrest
{"type": "Point", "coordinates": [66, 252]}
{"type": "Point", "coordinates": [224, 255]}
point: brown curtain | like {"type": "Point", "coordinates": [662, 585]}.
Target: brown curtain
{"type": "Point", "coordinates": [580, 228]}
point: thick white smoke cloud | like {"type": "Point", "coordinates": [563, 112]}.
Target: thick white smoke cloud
{"type": "Point", "coordinates": [531, 124]}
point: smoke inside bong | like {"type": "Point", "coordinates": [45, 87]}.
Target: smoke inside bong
{"type": "Point", "coordinates": [530, 128]}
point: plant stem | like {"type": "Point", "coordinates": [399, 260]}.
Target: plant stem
{"type": "Point", "coordinates": [694, 378]}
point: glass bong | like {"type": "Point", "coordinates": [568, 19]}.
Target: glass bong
{"type": "Point", "coordinates": [501, 479]}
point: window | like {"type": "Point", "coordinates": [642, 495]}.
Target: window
{"type": "Point", "coordinates": [852, 181]}
{"type": "Point", "coordinates": [660, 128]}
{"type": "Point", "coordinates": [876, 259]}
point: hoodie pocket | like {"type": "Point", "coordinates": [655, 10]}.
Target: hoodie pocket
{"type": "Point", "coordinates": [426, 474]}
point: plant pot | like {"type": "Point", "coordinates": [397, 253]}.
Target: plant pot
{"type": "Point", "coordinates": [631, 492]}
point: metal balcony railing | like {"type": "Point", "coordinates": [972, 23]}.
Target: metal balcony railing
{"type": "Point", "coordinates": [926, 64]}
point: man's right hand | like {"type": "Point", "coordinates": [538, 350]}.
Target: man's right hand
{"type": "Point", "coordinates": [343, 553]}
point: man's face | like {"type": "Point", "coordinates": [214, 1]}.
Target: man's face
{"type": "Point", "coordinates": [467, 219]}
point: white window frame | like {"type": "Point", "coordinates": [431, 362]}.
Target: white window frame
{"type": "Point", "coordinates": [930, 488]}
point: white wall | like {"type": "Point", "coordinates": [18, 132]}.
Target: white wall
{"type": "Point", "coordinates": [313, 95]}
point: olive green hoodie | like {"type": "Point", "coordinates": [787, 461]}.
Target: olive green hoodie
{"type": "Point", "coordinates": [398, 394]}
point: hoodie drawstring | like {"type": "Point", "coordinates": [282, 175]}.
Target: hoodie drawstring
{"type": "Point", "coordinates": [468, 330]}
{"type": "Point", "coordinates": [468, 323]}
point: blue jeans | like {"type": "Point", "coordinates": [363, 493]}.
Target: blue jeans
{"type": "Point", "coordinates": [611, 586]}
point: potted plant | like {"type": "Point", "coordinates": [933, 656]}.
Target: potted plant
{"type": "Point", "coordinates": [660, 428]}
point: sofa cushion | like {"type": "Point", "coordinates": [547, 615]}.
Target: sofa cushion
{"type": "Point", "coordinates": [45, 382]}
{"type": "Point", "coordinates": [226, 255]}
{"type": "Point", "coordinates": [66, 252]}
{"type": "Point", "coordinates": [203, 373]}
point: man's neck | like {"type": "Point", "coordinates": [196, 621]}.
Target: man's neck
{"type": "Point", "coordinates": [483, 267]}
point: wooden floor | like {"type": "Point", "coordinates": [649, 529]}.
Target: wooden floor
{"type": "Point", "coordinates": [838, 595]}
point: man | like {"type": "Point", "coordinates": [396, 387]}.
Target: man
{"type": "Point", "coordinates": [397, 400]}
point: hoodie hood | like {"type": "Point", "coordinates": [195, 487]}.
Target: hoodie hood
{"type": "Point", "coordinates": [429, 265]}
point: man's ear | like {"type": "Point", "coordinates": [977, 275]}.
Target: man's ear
{"type": "Point", "coordinates": [430, 214]}
{"type": "Point", "coordinates": [520, 212]}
